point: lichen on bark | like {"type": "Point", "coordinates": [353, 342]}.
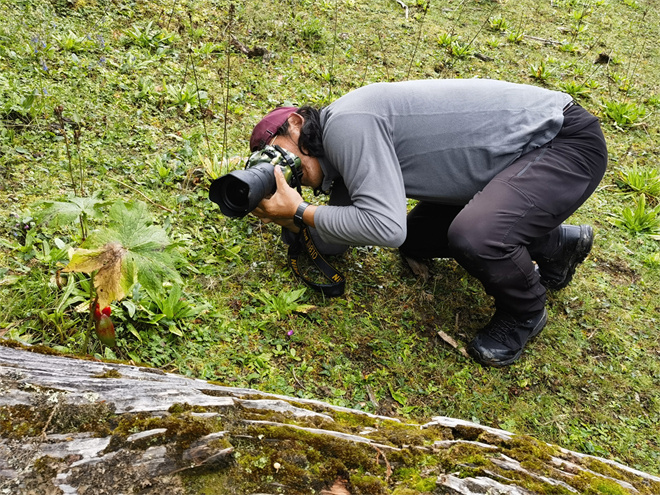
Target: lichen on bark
{"type": "Point", "coordinates": [84, 427]}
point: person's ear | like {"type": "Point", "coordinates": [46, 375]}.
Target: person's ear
{"type": "Point", "coordinates": [296, 121]}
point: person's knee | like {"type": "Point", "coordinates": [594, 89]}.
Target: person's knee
{"type": "Point", "coordinates": [466, 240]}
{"type": "Point", "coordinates": [474, 242]}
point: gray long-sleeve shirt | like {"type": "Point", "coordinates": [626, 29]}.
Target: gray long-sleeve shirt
{"type": "Point", "coordinates": [433, 140]}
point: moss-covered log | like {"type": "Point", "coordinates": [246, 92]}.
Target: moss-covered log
{"type": "Point", "coordinates": [71, 426]}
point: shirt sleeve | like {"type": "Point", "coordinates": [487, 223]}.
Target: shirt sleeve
{"type": "Point", "coordinates": [361, 149]}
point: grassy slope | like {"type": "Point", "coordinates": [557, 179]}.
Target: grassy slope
{"type": "Point", "coordinates": [591, 382]}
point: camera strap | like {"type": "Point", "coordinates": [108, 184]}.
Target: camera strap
{"type": "Point", "coordinates": [305, 244]}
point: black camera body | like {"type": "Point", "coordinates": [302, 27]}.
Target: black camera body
{"type": "Point", "coordinates": [239, 192]}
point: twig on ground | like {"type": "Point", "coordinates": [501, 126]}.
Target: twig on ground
{"type": "Point", "coordinates": [255, 51]}
{"type": "Point", "coordinates": [405, 7]}
{"type": "Point", "coordinates": [449, 340]}
{"type": "Point", "coordinates": [542, 40]}
{"type": "Point", "coordinates": [388, 471]}
{"type": "Point", "coordinates": [44, 436]}
{"type": "Point", "coordinates": [293, 372]}
{"type": "Point", "coordinates": [372, 397]}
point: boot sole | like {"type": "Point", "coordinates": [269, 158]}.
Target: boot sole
{"type": "Point", "coordinates": [500, 364]}
{"type": "Point", "coordinates": [582, 250]}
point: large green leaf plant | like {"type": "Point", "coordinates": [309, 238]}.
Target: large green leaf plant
{"type": "Point", "coordinates": [130, 250]}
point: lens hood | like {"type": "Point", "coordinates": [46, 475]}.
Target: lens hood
{"type": "Point", "coordinates": [239, 192]}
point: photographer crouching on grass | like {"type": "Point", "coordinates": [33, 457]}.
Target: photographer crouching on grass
{"type": "Point", "coordinates": [497, 168]}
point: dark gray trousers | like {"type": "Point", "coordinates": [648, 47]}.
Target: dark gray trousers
{"type": "Point", "coordinates": [515, 219]}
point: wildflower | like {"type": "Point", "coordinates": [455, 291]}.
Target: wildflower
{"type": "Point", "coordinates": [290, 333]}
{"type": "Point", "coordinates": [35, 44]}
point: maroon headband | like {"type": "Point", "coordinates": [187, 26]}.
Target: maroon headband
{"type": "Point", "coordinates": [265, 130]}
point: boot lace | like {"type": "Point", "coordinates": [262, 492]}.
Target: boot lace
{"type": "Point", "coordinates": [501, 329]}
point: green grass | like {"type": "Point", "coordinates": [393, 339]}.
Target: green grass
{"type": "Point", "coordinates": [150, 100]}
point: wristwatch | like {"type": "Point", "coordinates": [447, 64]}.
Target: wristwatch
{"type": "Point", "coordinates": [298, 216]}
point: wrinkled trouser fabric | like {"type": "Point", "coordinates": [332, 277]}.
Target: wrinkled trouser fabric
{"type": "Point", "coordinates": [515, 219]}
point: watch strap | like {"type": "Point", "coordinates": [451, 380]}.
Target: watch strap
{"type": "Point", "coordinates": [298, 216]}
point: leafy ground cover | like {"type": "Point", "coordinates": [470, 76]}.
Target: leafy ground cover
{"type": "Point", "coordinates": [136, 105]}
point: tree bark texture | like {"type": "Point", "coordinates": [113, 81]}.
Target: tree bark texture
{"type": "Point", "coordinates": [72, 426]}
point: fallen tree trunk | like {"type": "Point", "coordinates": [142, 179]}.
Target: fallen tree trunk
{"type": "Point", "coordinates": [70, 426]}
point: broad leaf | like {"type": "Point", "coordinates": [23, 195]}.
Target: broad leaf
{"type": "Point", "coordinates": [115, 273]}
{"type": "Point", "coordinates": [130, 250]}
{"type": "Point", "coordinates": [59, 213]}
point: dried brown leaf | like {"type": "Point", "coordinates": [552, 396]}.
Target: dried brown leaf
{"type": "Point", "coordinates": [113, 275]}
{"type": "Point", "coordinates": [449, 340]}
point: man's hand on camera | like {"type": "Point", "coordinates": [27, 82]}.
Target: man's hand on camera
{"type": "Point", "coordinates": [280, 206]}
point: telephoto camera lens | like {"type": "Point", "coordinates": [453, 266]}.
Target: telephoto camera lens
{"type": "Point", "coordinates": [239, 192]}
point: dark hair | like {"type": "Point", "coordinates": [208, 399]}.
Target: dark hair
{"type": "Point", "coordinates": [311, 134]}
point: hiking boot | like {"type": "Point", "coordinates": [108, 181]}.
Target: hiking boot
{"type": "Point", "coordinates": [574, 245]}
{"type": "Point", "coordinates": [502, 341]}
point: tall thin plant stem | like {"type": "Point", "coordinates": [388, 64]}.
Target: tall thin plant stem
{"type": "Point", "coordinates": [631, 67]}
{"type": "Point", "coordinates": [385, 62]}
{"type": "Point", "coordinates": [90, 321]}
{"type": "Point", "coordinates": [171, 13]}
{"type": "Point", "coordinates": [419, 37]}
{"type": "Point", "coordinates": [226, 109]}
{"type": "Point", "coordinates": [334, 46]}
{"type": "Point", "coordinates": [76, 140]}
{"type": "Point", "coordinates": [58, 113]}
{"type": "Point", "coordinates": [199, 99]}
